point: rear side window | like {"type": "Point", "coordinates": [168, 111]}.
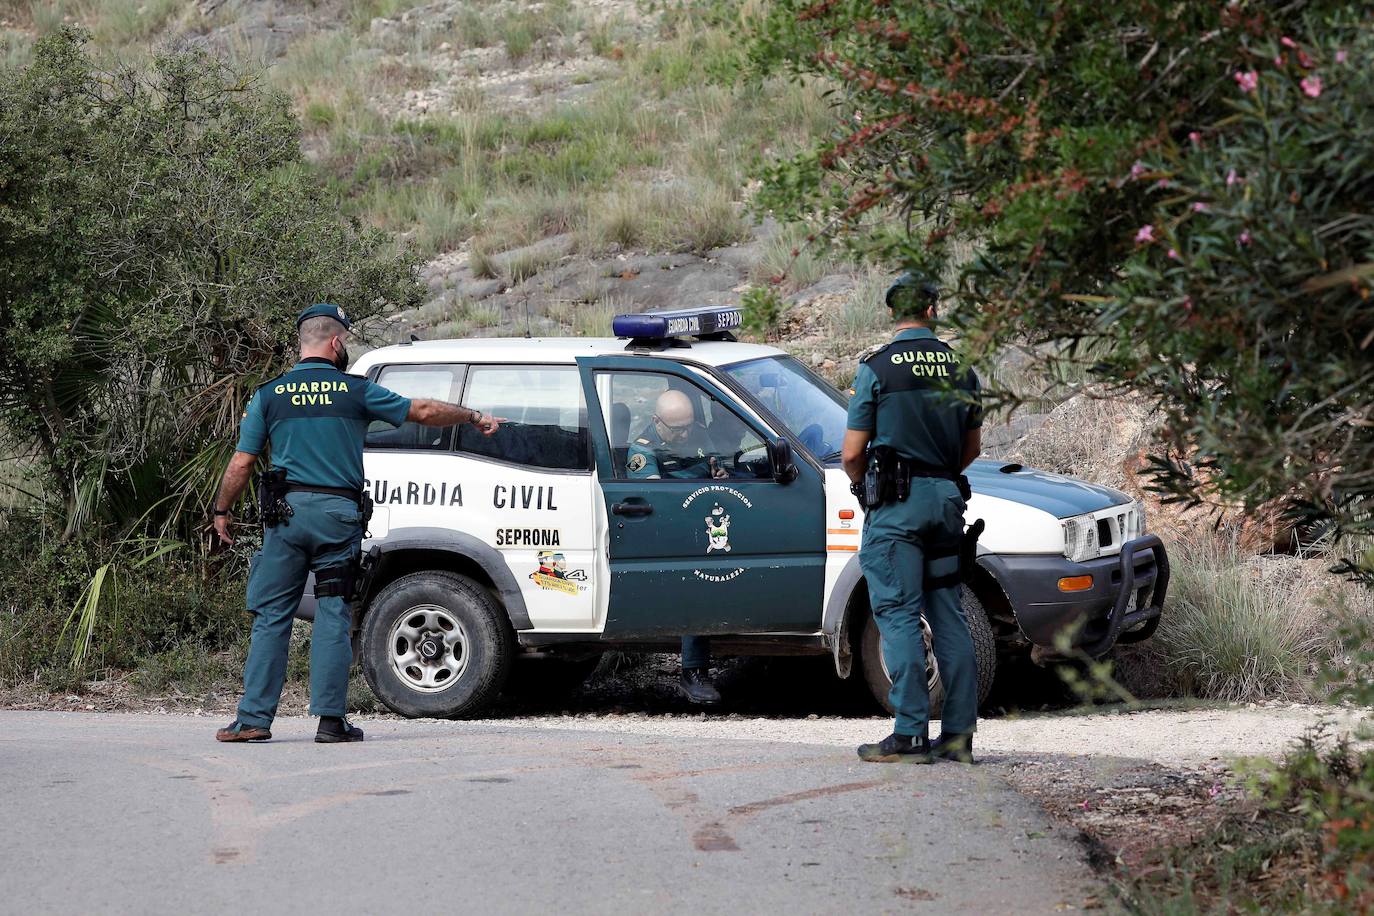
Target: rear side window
{"type": "Point", "coordinates": [546, 417]}
{"type": "Point", "coordinates": [440, 383]}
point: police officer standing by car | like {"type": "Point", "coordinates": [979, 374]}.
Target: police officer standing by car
{"type": "Point", "coordinates": [914, 425]}
{"type": "Point", "coordinates": [315, 512]}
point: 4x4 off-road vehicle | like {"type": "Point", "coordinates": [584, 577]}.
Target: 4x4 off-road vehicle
{"type": "Point", "coordinates": [534, 550]}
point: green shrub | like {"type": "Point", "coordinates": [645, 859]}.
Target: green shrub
{"type": "Point", "coordinates": [1192, 198]}
{"type": "Point", "coordinates": [1240, 627]}
{"type": "Point", "coordinates": [763, 309]}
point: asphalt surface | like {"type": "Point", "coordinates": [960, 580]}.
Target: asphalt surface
{"type": "Point", "coordinates": [110, 813]}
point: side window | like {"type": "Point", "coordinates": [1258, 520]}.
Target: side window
{"type": "Point", "coordinates": [546, 417]}
{"type": "Point", "coordinates": [440, 383]}
{"type": "Point", "coordinates": [664, 426]}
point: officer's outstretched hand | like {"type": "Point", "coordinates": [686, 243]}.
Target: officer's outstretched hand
{"type": "Point", "coordinates": [222, 528]}
{"type": "Point", "coordinates": [490, 424]}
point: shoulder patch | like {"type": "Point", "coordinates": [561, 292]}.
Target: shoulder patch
{"type": "Point", "coordinates": [873, 351]}
{"type": "Point", "coordinates": [636, 462]}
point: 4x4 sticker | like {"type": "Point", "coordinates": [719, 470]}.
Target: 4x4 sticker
{"type": "Point", "coordinates": [553, 574]}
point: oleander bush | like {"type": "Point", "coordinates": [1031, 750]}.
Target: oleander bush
{"type": "Point", "coordinates": [1175, 196]}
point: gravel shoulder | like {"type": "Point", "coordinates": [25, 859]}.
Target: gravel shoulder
{"type": "Point", "coordinates": [1177, 737]}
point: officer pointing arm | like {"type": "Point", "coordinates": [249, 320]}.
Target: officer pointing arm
{"type": "Point", "coordinates": [915, 413]}
{"type": "Point", "coordinates": [315, 418]}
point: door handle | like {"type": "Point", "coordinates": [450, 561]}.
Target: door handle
{"type": "Point", "coordinates": [628, 508]}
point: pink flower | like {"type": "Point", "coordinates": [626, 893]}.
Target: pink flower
{"type": "Point", "coordinates": [1173, 254]}
{"type": "Point", "coordinates": [1231, 178]}
{"type": "Point", "coordinates": [1288, 42]}
{"type": "Point", "coordinates": [1214, 791]}
{"type": "Point", "coordinates": [1248, 80]}
{"type": "Point", "coordinates": [1137, 169]}
{"type": "Point", "coordinates": [1244, 238]}
{"type": "Point", "coordinates": [1194, 137]}
{"type": "Point", "coordinates": [1304, 61]}
{"type": "Point", "coordinates": [1199, 207]}
{"type": "Point", "coordinates": [1312, 86]}
{"type": "Point", "coordinates": [1146, 233]}
{"type": "Point", "coordinates": [1162, 183]}
{"type": "Point", "coordinates": [1340, 57]}
{"type": "Point", "coordinates": [1187, 303]}
{"type": "Point", "coordinates": [1278, 60]}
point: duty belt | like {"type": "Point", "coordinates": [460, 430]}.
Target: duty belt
{"type": "Point", "coordinates": [345, 492]}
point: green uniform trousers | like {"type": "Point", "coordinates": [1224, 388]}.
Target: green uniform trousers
{"type": "Point", "coordinates": [326, 531]}
{"type": "Point", "coordinates": [898, 537]}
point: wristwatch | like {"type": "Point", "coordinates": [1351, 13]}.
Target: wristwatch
{"type": "Point", "coordinates": [476, 418]}
{"type": "Point", "coordinates": [221, 511]}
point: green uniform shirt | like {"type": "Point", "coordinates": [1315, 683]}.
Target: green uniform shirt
{"type": "Point", "coordinates": [917, 398]}
{"type": "Point", "coordinates": [650, 456]}
{"type": "Point", "coordinates": [316, 417]}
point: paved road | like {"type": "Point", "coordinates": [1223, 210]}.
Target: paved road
{"type": "Point", "coordinates": [143, 813]}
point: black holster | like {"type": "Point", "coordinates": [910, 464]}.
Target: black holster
{"type": "Point", "coordinates": [967, 550]}
{"type": "Point", "coordinates": [273, 508]}
{"type": "Point", "coordinates": [888, 478]}
{"type": "Point", "coordinates": [350, 580]}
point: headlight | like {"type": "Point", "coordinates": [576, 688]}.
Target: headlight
{"type": "Point", "coordinates": [1139, 519]}
{"type": "Point", "coordinates": [1080, 538]}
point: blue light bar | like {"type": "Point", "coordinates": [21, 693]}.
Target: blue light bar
{"type": "Point", "coordinates": [678, 322]}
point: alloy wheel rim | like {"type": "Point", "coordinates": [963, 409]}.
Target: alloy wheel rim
{"type": "Point", "coordinates": [428, 648]}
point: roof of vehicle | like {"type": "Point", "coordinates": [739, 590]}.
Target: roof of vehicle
{"type": "Point", "coordinates": [553, 350]}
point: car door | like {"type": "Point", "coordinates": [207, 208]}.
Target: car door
{"type": "Point", "coordinates": [690, 553]}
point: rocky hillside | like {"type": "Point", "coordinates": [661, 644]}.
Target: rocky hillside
{"type": "Point", "coordinates": [553, 163]}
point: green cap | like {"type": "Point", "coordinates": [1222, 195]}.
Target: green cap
{"type": "Point", "coordinates": [326, 310]}
{"type": "Point", "coordinates": [912, 292]}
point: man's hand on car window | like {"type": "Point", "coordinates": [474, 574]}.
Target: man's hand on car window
{"type": "Point", "coordinates": [717, 471]}
{"type": "Point", "coordinates": [488, 424]}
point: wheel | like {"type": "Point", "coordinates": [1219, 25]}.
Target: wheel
{"type": "Point", "coordinates": [984, 654]}
{"type": "Point", "coordinates": [436, 644]}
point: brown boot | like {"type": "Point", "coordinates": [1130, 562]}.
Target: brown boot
{"type": "Point", "coordinates": [237, 731]}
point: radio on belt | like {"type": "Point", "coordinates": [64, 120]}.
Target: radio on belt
{"type": "Point", "coordinates": [713, 322]}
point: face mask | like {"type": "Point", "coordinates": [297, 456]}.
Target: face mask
{"type": "Point", "coordinates": [341, 358]}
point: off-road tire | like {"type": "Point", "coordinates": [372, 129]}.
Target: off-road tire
{"type": "Point", "coordinates": [984, 653]}
{"type": "Point", "coordinates": [490, 644]}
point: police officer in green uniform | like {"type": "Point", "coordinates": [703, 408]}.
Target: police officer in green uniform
{"type": "Point", "coordinates": [314, 418]}
{"type": "Point", "coordinates": [915, 406]}
{"type": "Point", "coordinates": [675, 445]}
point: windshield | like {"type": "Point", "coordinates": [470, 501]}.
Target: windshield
{"type": "Point", "coordinates": [807, 403]}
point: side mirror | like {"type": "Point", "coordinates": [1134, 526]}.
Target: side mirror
{"type": "Point", "coordinates": [780, 456]}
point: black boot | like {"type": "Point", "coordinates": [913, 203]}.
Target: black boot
{"type": "Point", "coordinates": [897, 748]}
{"type": "Point", "coordinates": [954, 746]}
{"type": "Point", "coordinates": [696, 686]}
{"type": "Point", "coordinates": [337, 730]}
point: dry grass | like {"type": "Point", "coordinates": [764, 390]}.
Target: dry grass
{"type": "Point", "coordinates": [688, 217]}
{"type": "Point", "coordinates": [1093, 438]}
{"type": "Point", "coordinates": [1242, 627]}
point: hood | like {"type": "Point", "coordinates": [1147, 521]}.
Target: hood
{"type": "Point", "coordinates": [1060, 496]}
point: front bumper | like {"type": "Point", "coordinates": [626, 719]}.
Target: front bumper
{"type": "Point", "coordinates": [1123, 604]}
